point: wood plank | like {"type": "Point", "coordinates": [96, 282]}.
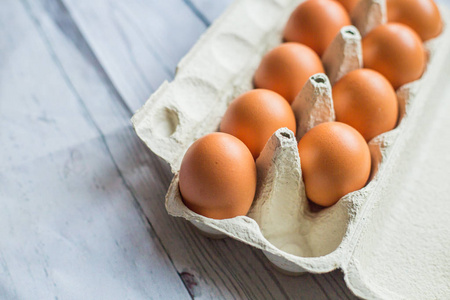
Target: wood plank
{"type": "Point", "coordinates": [70, 230]}
{"type": "Point", "coordinates": [28, 103]}
{"type": "Point", "coordinates": [216, 272]}
{"type": "Point", "coordinates": [207, 9]}
{"type": "Point", "coordinates": [139, 43]}
{"type": "Point", "coordinates": [70, 227]}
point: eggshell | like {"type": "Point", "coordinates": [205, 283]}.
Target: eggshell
{"type": "Point", "coordinates": [218, 177]}
{"type": "Point", "coordinates": [365, 100]}
{"type": "Point", "coordinates": [255, 115]}
{"type": "Point", "coordinates": [396, 51]}
{"type": "Point", "coordinates": [335, 161]}
{"type": "Point", "coordinates": [349, 5]}
{"type": "Point", "coordinates": [421, 15]}
{"type": "Point", "coordinates": [286, 68]}
{"type": "Point", "coordinates": [315, 23]}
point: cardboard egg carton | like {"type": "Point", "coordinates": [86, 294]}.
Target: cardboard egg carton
{"type": "Point", "coordinates": [281, 222]}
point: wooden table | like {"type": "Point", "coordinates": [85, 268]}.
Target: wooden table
{"type": "Point", "coordinates": [82, 198]}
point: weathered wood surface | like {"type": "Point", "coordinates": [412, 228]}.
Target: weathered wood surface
{"type": "Point", "coordinates": [82, 198]}
{"type": "Point", "coordinates": [70, 227]}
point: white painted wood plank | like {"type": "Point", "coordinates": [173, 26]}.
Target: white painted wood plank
{"type": "Point", "coordinates": [70, 230]}
{"type": "Point", "coordinates": [139, 43]}
{"type": "Point", "coordinates": [70, 227]}
{"type": "Point", "coordinates": [209, 9]}
{"type": "Point", "coordinates": [101, 103]}
{"type": "Point", "coordinates": [23, 98]}
{"type": "Point", "coordinates": [217, 272]}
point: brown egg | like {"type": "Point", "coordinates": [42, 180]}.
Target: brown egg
{"type": "Point", "coordinates": [335, 161]}
{"type": "Point", "coordinates": [255, 115]}
{"type": "Point", "coordinates": [349, 5]}
{"type": "Point", "coordinates": [396, 51]}
{"type": "Point", "coordinates": [365, 100]}
{"type": "Point", "coordinates": [421, 15]}
{"type": "Point", "coordinates": [217, 177]}
{"type": "Point", "coordinates": [316, 23]}
{"type": "Point", "coordinates": [286, 69]}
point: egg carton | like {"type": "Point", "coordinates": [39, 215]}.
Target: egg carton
{"type": "Point", "coordinates": [294, 235]}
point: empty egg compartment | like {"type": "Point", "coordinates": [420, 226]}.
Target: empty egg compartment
{"type": "Point", "coordinates": [281, 222]}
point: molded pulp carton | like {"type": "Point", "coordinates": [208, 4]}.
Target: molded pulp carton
{"type": "Point", "coordinates": [392, 237]}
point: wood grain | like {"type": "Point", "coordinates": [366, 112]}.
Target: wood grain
{"type": "Point", "coordinates": [208, 10]}
{"type": "Point", "coordinates": [70, 227]}
{"type": "Point", "coordinates": [138, 42]}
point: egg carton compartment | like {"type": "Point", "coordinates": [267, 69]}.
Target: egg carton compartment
{"type": "Point", "coordinates": [294, 235]}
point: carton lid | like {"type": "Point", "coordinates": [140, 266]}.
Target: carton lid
{"type": "Point", "coordinates": [403, 250]}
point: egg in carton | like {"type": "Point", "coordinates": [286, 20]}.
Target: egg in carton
{"type": "Point", "coordinates": [281, 222]}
